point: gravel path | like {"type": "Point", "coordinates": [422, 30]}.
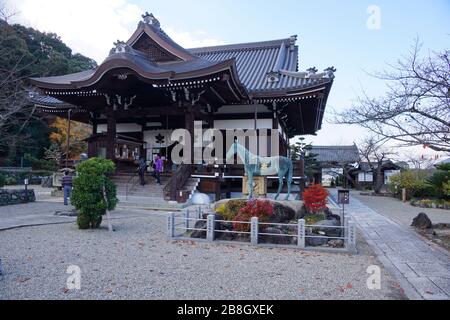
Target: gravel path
{"type": "Point", "coordinates": [138, 262]}
{"type": "Point", "coordinates": [34, 213]}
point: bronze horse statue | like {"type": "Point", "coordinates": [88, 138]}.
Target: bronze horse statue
{"type": "Point", "coordinates": [263, 166]}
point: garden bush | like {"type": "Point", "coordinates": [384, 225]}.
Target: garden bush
{"type": "Point", "coordinates": [41, 164]}
{"type": "Point", "coordinates": [262, 209]}
{"type": "Point", "coordinates": [230, 209]}
{"type": "Point", "coordinates": [315, 198]}
{"type": "Point", "coordinates": [87, 194]}
{"type": "Point", "coordinates": [313, 218]}
{"type": "Point", "coordinates": [415, 187]}
{"type": "Point", "coordinates": [2, 180]}
{"type": "Point", "coordinates": [446, 189]}
{"type": "Point", "coordinates": [431, 203]}
{"type": "Point", "coordinates": [439, 181]}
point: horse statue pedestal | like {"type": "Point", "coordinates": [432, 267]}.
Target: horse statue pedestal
{"type": "Point", "coordinates": [259, 186]}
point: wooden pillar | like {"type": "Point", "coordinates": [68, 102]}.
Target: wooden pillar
{"type": "Point", "coordinates": [68, 137]}
{"type": "Point", "coordinates": [302, 175]}
{"type": "Point", "coordinates": [189, 119]}
{"type": "Point", "coordinates": [111, 136]}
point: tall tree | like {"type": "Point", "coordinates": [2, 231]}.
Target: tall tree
{"type": "Point", "coordinates": [311, 164]}
{"type": "Point", "coordinates": [415, 110]}
{"type": "Point", "coordinates": [373, 151]}
{"type": "Point", "coordinates": [26, 52]}
{"type": "Point", "coordinates": [78, 132]}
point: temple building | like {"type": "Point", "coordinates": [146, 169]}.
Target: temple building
{"type": "Point", "coordinates": [149, 86]}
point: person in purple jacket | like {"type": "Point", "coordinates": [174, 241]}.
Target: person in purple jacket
{"type": "Point", "coordinates": [157, 166]}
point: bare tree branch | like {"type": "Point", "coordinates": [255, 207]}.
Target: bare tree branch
{"type": "Point", "coordinates": [415, 110]}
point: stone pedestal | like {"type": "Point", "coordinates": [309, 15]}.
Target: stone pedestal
{"type": "Point", "coordinates": [259, 186]}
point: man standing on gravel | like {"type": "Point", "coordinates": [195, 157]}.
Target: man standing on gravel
{"type": "Point", "coordinates": [66, 182]}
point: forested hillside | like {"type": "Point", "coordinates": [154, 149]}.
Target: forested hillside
{"type": "Point", "coordinates": [26, 52]}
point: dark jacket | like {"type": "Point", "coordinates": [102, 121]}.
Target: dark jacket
{"type": "Point", "coordinates": [66, 181]}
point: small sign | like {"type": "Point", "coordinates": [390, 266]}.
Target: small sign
{"type": "Point", "coordinates": [25, 182]}
{"type": "Point", "coordinates": [343, 196]}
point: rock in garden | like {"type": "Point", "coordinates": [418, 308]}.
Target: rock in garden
{"type": "Point", "coordinates": [336, 243]}
{"type": "Point", "coordinates": [277, 237]}
{"type": "Point", "coordinates": [329, 232]}
{"type": "Point", "coordinates": [226, 235]}
{"type": "Point", "coordinates": [300, 214]}
{"type": "Point", "coordinates": [200, 224]}
{"type": "Point", "coordinates": [422, 221]}
{"type": "Point", "coordinates": [199, 234]}
{"type": "Point", "coordinates": [16, 196]}
{"type": "Point", "coordinates": [314, 242]}
{"type": "Point", "coordinates": [330, 216]}
{"type": "Point", "coordinates": [281, 213]}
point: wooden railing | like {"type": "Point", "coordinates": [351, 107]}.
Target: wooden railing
{"type": "Point", "coordinates": [177, 181]}
{"type": "Point", "coordinates": [131, 183]}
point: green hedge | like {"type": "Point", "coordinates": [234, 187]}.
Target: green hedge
{"type": "Point", "coordinates": [87, 194]}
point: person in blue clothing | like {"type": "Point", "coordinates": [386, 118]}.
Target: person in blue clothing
{"type": "Point", "coordinates": [66, 183]}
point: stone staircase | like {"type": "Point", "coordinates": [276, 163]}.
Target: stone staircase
{"type": "Point", "coordinates": [149, 196]}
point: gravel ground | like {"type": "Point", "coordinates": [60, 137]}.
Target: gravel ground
{"type": "Point", "coordinates": [138, 262]}
{"type": "Point", "coordinates": [401, 212]}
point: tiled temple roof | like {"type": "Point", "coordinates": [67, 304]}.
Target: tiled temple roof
{"type": "Point", "coordinates": [258, 61]}
{"type": "Point", "coordinates": [336, 154]}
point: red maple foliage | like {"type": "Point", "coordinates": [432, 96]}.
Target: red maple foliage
{"type": "Point", "coordinates": [262, 209]}
{"type": "Point", "coordinates": [315, 198]}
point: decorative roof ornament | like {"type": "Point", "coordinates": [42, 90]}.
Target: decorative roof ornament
{"type": "Point", "coordinates": [120, 47]}
{"type": "Point", "coordinates": [272, 77]}
{"type": "Point", "coordinates": [330, 72]}
{"type": "Point", "coordinates": [150, 19]}
{"type": "Point", "coordinates": [293, 39]}
{"type": "Point", "coordinates": [311, 71]}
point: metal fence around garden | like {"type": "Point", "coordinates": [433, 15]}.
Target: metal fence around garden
{"type": "Point", "coordinates": [182, 225]}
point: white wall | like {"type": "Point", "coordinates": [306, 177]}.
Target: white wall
{"type": "Point", "coordinates": [150, 138]}
{"type": "Point", "coordinates": [388, 174]}
{"type": "Point", "coordinates": [243, 124]}
{"type": "Point", "coordinates": [121, 127]}
{"type": "Point", "coordinates": [365, 177]}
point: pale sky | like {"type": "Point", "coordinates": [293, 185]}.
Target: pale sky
{"type": "Point", "coordinates": [330, 33]}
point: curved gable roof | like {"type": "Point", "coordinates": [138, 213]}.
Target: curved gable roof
{"type": "Point", "coordinates": [257, 61]}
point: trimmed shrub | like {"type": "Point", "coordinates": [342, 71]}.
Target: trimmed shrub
{"type": "Point", "coordinates": [230, 209]}
{"type": "Point", "coordinates": [415, 187]}
{"type": "Point", "coordinates": [262, 209]}
{"type": "Point", "coordinates": [315, 198]}
{"type": "Point", "coordinates": [83, 221]}
{"type": "Point", "coordinates": [87, 194]}
{"type": "Point", "coordinates": [313, 218]}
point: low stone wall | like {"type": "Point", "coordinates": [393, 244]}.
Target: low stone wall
{"type": "Point", "coordinates": [16, 196]}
